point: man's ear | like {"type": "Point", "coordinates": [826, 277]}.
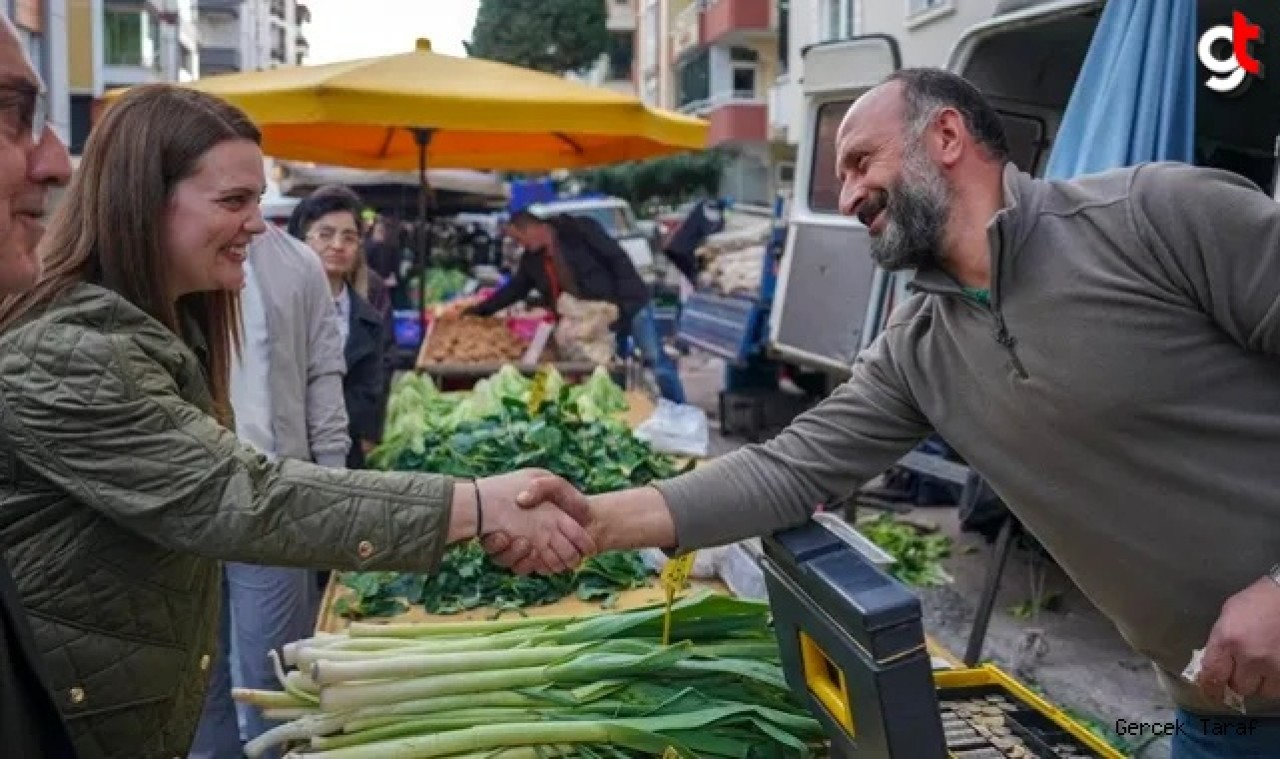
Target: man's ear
{"type": "Point", "coordinates": [950, 137]}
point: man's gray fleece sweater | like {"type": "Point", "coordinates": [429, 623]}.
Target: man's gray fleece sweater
{"type": "Point", "coordinates": [1121, 394]}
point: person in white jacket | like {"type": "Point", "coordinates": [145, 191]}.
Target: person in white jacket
{"type": "Point", "coordinates": [286, 392]}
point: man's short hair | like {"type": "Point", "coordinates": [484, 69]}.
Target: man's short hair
{"type": "Point", "coordinates": [926, 90]}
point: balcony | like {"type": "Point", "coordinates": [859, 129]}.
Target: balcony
{"type": "Point", "coordinates": [686, 31]}
{"type": "Point", "coordinates": [227, 8]}
{"type": "Point", "coordinates": [732, 119]}
{"type": "Point", "coordinates": [218, 60]}
{"type": "Point", "coordinates": [735, 21]}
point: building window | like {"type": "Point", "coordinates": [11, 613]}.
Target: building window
{"type": "Point", "coordinates": [621, 55]}
{"type": "Point", "coordinates": [694, 80]}
{"type": "Point", "coordinates": [277, 8]}
{"type": "Point", "coordinates": [784, 36]}
{"type": "Point", "coordinates": [131, 38]}
{"type": "Point", "coordinates": [837, 19]}
{"type": "Point", "coordinates": [279, 44]}
{"type": "Point", "coordinates": [745, 63]}
{"type": "Point", "coordinates": [824, 189]}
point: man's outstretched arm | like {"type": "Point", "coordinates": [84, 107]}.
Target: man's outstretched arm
{"type": "Point", "coordinates": [865, 426]}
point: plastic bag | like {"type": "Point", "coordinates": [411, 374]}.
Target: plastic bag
{"type": "Point", "coordinates": [582, 332]}
{"type": "Point", "coordinates": [677, 429]}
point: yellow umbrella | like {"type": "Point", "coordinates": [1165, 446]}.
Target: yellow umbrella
{"type": "Point", "coordinates": [379, 113]}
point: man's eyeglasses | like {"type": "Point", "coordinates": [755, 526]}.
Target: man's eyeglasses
{"type": "Point", "coordinates": [326, 236]}
{"type": "Point", "coordinates": [25, 108]}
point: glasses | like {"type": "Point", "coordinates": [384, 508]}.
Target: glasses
{"type": "Point", "coordinates": [25, 109]}
{"type": "Point", "coordinates": [326, 236]}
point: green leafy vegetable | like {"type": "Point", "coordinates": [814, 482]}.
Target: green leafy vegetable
{"type": "Point", "coordinates": [440, 285]}
{"type": "Point", "coordinates": [918, 557]}
{"type": "Point", "coordinates": [467, 579]}
{"type": "Point", "coordinates": [509, 421]}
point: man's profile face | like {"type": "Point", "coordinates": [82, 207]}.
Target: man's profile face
{"type": "Point", "coordinates": [32, 159]}
{"type": "Point", "coordinates": [531, 235]}
{"type": "Point", "coordinates": [888, 182]}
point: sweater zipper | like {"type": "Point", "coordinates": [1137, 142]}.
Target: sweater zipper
{"type": "Point", "coordinates": [1008, 341]}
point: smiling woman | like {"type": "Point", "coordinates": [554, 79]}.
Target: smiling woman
{"type": "Point", "coordinates": [207, 153]}
{"type": "Point", "coordinates": [121, 487]}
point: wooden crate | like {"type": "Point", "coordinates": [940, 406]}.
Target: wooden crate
{"type": "Point", "coordinates": [330, 622]}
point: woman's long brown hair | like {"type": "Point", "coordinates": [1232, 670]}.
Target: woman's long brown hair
{"type": "Point", "coordinates": [108, 229]}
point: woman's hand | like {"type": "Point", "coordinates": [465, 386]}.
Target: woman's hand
{"type": "Point", "coordinates": [551, 536]}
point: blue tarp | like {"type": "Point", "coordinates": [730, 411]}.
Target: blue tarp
{"type": "Point", "coordinates": [525, 193]}
{"type": "Point", "coordinates": [1134, 100]}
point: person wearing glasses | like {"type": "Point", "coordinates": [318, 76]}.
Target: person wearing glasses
{"type": "Point", "coordinates": [32, 160]}
{"type": "Point", "coordinates": [328, 221]}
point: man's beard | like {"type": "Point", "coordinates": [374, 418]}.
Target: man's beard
{"type": "Point", "coordinates": [917, 208]}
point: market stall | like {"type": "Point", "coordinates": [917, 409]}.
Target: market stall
{"type": "Point", "coordinates": [801, 644]}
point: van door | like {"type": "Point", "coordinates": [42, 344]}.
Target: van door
{"type": "Point", "coordinates": [826, 279]}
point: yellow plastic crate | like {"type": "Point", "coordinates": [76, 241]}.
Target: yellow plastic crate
{"type": "Point", "coordinates": [991, 681]}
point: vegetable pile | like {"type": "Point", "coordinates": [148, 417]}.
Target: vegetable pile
{"type": "Point", "coordinates": [601, 686]}
{"type": "Point", "coordinates": [472, 340]}
{"type": "Point", "coordinates": [440, 284]}
{"type": "Point", "coordinates": [508, 422]}
{"type": "Point", "coordinates": [468, 579]}
{"type": "Point", "coordinates": [918, 556]}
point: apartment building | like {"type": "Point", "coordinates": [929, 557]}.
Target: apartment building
{"type": "Point", "coordinates": [925, 31]}
{"type": "Point", "coordinates": [120, 43]}
{"type": "Point", "coordinates": [251, 35]}
{"type": "Point", "coordinates": [717, 60]}
{"type": "Point", "coordinates": [42, 25]}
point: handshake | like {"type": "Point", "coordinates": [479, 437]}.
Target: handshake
{"type": "Point", "coordinates": [532, 521]}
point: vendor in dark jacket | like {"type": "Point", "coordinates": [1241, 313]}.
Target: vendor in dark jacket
{"type": "Point", "coordinates": [32, 160]}
{"type": "Point", "coordinates": [575, 255]}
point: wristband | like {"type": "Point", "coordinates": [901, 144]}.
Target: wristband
{"type": "Point", "coordinates": [479, 510]}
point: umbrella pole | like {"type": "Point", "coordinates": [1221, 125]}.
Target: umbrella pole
{"type": "Point", "coordinates": [423, 138]}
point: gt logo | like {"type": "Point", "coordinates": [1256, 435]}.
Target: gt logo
{"type": "Point", "coordinates": [1230, 72]}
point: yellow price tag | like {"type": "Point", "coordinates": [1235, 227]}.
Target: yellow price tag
{"type": "Point", "coordinates": [674, 575]}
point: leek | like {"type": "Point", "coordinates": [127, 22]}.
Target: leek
{"type": "Point", "coordinates": [601, 686]}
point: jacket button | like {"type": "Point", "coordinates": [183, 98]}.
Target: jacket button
{"type": "Point", "coordinates": [77, 695]}
{"type": "Point", "coordinates": [204, 663]}
{"type": "Point", "coordinates": [365, 549]}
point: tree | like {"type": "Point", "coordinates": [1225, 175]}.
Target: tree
{"type": "Point", "coordinates": [666, 181]}
{"type": "Point", "coordinates": [555, 36]}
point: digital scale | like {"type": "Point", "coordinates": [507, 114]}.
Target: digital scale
{"type": "Point", "coordinates": [854, 651]}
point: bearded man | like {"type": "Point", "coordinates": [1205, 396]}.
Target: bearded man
{"type": "Point", "coordinates": [1104, 351]}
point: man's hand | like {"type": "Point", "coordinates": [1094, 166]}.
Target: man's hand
{"type": "Point", "coordinates": [541, 492]}
{"type": "Point", "coordinates": [1243, 651]}
{"type": "Point", "coordinates": [545, 534]}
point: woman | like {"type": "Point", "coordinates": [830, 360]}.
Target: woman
{"type": "Point", "coordinates": [121, 488]}
{"type": "Point", "coordinates": [328, 220]}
